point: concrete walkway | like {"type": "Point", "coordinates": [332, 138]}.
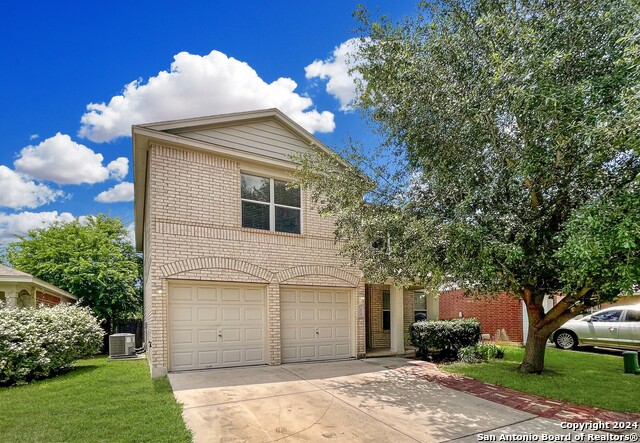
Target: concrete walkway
{"type": "Point", "coordinates": [348, 401]}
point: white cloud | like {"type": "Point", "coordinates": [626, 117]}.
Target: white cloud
{"type": "Point", "coordinates": [341, 84]}
{"type": "Point", "coordinates": [34, 136]}
{"type": "Point", "coordinates": [16, 192]}
{"type": "Point", "coordinates": [122, 192]}
{"type": "Point", "coordinates": [118, 168]}
{"type": "Point", "coordinates": [22, 222]}
{"type": "Point", "coordinates": [197, 86]}
{"type": "Point", "coordinates": [61, 160]}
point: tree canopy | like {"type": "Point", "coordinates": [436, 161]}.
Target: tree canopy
{"type": "Point", "coordinates": [92, 257]}
{"type": "Point", "coordinates": [515, 130]}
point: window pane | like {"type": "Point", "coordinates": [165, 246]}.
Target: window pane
{"type": "Point", "coordinates": [284, 196]}
{"type": "Point", "coordinates": [633, 315]}
{"type": "Point", "coordinates": [419, 301]}
{"type": "Point", "coordinates": [288, 220]}
{"type": "Point", "coordinates": [607, 316]}
{"type": "Point", "coordinates": [386, 304]}
{"type": "Point", "coordinates": [386, 320]}
{"type": "Point", "coordinates": [255, 215]}
{"type": "Point", "coordinates": [255, 188]}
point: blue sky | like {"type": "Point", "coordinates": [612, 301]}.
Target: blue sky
{"type": "Point", "coordinates": [64, 148]}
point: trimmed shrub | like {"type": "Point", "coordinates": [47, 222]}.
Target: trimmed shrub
{"type": "Point", "coordinates": [446, 337]}
{"type": "Point", "coordinates": [480, 352]}
{"type": "Point", "coordinates": [36, 343]}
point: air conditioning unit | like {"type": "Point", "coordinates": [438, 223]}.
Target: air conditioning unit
{"type": "Point", "coordinates": [122, 345]}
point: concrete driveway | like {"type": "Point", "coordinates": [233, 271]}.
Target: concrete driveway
{"type": "Point", "coordinates": [370, 400]}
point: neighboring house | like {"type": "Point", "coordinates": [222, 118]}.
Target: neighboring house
{"type": "Point", "coordinates": [239, 268]}
{"type": "Point", "coordinates": [23, 290]}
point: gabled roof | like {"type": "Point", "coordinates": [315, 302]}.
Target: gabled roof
{"type": "Point", "coordinates": [184, 133]}
{"type": "Point", "coordinates": [13, 276]}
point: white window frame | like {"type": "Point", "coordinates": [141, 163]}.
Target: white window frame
{"type": "Point", "coordinates": [272, 204]}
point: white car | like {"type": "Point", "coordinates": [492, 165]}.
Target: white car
{"type": "Point", "coordinates": [614, 327]}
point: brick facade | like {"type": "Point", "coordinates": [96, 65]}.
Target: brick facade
{"type": "Point", "coordinates": [501, 312]}
{"type": "Point", "coordinates": [48, 300]}
{"type": "Point", "coordinates": [192, 231]}
{"type": "Point", "coordinates": [378, 337]}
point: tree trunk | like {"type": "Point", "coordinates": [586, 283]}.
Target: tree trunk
{"type": "Point", "coordinates": [533, 362]}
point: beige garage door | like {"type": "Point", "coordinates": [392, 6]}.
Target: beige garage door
{"type": "Point", "coordinates": [215, 325]}
{"type": "Point", "coordinates": [315, 324]}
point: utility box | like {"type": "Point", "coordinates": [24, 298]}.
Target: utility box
{"type": "Point", "coordinates": [122, 345]}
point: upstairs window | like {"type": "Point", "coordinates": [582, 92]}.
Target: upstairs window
{"type": "Point", "coordinates": [269, 204]}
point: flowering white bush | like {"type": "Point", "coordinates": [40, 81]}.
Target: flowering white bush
{"type": "Point", "coordinates": [35, 343]}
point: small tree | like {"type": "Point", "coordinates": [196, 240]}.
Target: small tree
{"type": "Point", "coordinates": [92, 258]}
{"type": "Point", "coordinates": [515, 126]}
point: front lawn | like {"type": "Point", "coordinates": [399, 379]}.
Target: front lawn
{"type": "Point", "coordinates": [99, 401]}
{"type": "Point", "coordinates": [579, 378]}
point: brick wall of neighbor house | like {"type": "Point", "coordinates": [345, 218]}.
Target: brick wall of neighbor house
{"type": "Point", "coordinates": [194, 221]}
{"type": "Point", "coordinates": [44, 299]}
{"type": "Point", "coordinates": [502, 312]}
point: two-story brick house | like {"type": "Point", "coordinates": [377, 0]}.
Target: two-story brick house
{"type": "Point", "coordinates": [239, 268]}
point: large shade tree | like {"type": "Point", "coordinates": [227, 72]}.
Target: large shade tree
{"type": "Point", "coordinates": [91, 257]}
{"type": "Point", "coordinates": [514, 130]}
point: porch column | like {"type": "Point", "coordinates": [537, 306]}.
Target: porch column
{"type": "Point", "coordinates": [11, 295]}
{"type": "Point", "coordinates": [397, 320]}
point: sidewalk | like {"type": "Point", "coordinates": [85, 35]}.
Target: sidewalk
{"type": "Point", "coordinates": [533, 404]}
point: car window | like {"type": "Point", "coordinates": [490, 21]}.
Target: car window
{"type": "Point", "coordinates": [633, 315]}
{"type": "Point", "coordinates": [607, 316]}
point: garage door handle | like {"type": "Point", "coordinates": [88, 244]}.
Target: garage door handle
{"type": "Point", "coordinates": [317, 332]}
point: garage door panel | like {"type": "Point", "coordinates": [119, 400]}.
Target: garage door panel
{"type": "Point", "coordinates": [306, 314]}
{"type": "Point", "coordinates": [325, 332]}
{"type": "Point", "coordinates": [307, 351]}
{"type": "Point", "coordinates": [253, 295]}
{"type": "Point", "coordinates": [232, 356]}
{"type": "Point", "coordinates": [343, 350]}
{"type": "Point", "coordinates": [253, 313]}
{"type": "Point", "coordinates": [215, 326]}
{"type": "Point", "coordinates": [231, 294]}
{"type": "Point", "coordinates": [287, 296]}
{"type": "Point", "coordinates": [182, 314]}
{"type": "Point", "coordinates": [207, 358]}
{"type": "Point", "coordinates": [306, 297]}
{"type": "Point", "coordinates": [207, 313]}
{"type": "Point", "coordinates": [183, 337]}
{"type": "Point", "coordinates": [181, 293]}
{"type": "Point", "coordinates": [231, 336]}
{"type": "Point", "coordinates": [253, 335]}
{"type": "Point", "coordinates": [307, 333]}
{"type": "Point", "coordinates": [316, 324]}
{"type": "Point", "coordinates": [207, 336]}
{"type": "Point", "coordinates": [255, 355]}
{"type": "Point", "coordinates": [341, 315]}
{"type": "Point", "coordinates": [288, 333]}
{"type": "Point", "coordinates": [342, 332]}
{"type": "Point", "coordinates": [326, 351]}
{"type": "Point", "coordinates": [206, 294]}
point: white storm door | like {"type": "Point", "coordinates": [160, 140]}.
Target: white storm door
{"type": "Point", "coordinates": [316, 324]}
{"type": "Point", "coordinates": [213, 326]}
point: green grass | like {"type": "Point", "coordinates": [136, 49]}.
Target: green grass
{"type": "Point", "coordinates": [99, 401]}
{"type": "Point", "coordinates": [580, 378]}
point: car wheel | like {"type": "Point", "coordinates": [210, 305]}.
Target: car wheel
{"type": "Point", "coordinates": [565, 340]}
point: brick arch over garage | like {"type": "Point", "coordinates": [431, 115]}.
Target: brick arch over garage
{"type": "Point", "coordinates": [194, 264]}
{"type": "Point", "coordinates": [330, 271]}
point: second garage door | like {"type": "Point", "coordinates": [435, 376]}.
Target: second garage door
{"type": "Point", "coordinates": [216, 325]}
{"type": "Point", "coordinates": [315, 324]}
